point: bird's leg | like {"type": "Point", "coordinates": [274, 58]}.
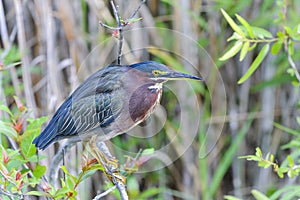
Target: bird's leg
{"type": "Point", "coordinates": [108, 162]}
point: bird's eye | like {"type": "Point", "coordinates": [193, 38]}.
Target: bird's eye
{"type": "Point", "coordinates": [155, 72]}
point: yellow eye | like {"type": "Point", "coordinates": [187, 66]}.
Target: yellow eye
{"type": "Point", "coordinates": [155, 72]}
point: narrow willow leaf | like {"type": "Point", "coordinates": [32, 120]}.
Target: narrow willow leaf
{"type": "Point", "coordinates": [246, 25]}
{"type": "Point", "coordinates": [233, 25]}
{"type": "Point", "coordinates": [234, 36]}
{"type": "Point", "coordinates": [261, 33]}
{"type": "Point", "coordinates": [231, 52]}
{"type": "Point", "coordinates": [38, 193]}
{"type": "Point", "coordinates": [258, 195]}
{"type": "Point", "coordinates": [260, 57]}
{"type": "Point", "coordinates": [276, 47]}
{"type": "Point", "coordinates": [258, 152]}
{"type": "Point", "coordinates": [7, 130]}
{"type": "Point", "coordinates": [132, 20]}
{"type": "Point", "coordinates": [228, 197]}
{"type": "Point", "coordinates": [244, 50]}
{"type": "Point", "coordinates": [6, 109]}
{"type": "Point", "coordinates": [290, 161]}
{"type": "Point", "coordinates": [252, 47]}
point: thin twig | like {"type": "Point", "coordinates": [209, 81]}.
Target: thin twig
{"type": "Point", "coordinates": [116, 12]}
{"type": "Point", "coordinates": [103, 194]}
{"type": "Point", "coordinates": [137, 9]}
{"type": "Point", "coordinates": [121, 24]}
{"type": "Point", "coordinates": [291, 61]}
{"type": "Point", "coordinates": [109, 27]}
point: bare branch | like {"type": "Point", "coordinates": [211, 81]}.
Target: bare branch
{"type": "Point", "coordinates": [291, 61]}
{"type": "Point", "coordinates": [137, 9]}
{"type": "Point", "coordinates": [121, 25]}
{"type": "Point", "coordinates": [103, 194]}
{"type": "Point", "coordinates": [110, 170]}
{"type": "Point", "coordinates": [116, 12]}
{"type": "Point", "coordinates": [109, 27]}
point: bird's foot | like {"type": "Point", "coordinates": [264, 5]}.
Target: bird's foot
{"type": "Point", "coordinates": [109, 163]}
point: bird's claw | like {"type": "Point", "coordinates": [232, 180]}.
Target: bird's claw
{"type": "Point", "coordinates": [110, 164]}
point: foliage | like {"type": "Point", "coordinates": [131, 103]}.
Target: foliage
{"type": "Point", "coordinates": [19, 168]}
{"type": "Point", "coordinates": [248, 38]}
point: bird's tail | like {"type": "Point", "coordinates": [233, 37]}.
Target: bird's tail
{"type": "Point", "coordinates": [47, 136]}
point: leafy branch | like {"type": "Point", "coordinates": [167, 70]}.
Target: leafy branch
{"type": "Point", "coordinates": [247, 37]}
{"type": "Point", "coordinates": [291, 169]}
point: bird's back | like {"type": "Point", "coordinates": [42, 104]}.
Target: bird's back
{"type": "Point", "coordinates": [92, 105]}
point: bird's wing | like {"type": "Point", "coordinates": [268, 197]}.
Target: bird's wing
{"type": "Point", "coordinates": [90, 112]}
{"type": "Point", "coordinates": [79, 117]}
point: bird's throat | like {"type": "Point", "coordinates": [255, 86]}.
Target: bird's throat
{"type": "Point", "coordinates": [156, 86]}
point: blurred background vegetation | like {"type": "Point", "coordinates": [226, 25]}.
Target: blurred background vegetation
{"type": "Point", "coordinates": [49, 47]}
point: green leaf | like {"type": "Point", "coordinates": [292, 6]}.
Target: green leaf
{"type": "Point", "coordinates": [261, 33]}
{"type": "Point", "coordinates": [61, 192]}
{"type": "Point", "coordinates": [252, 47]}
{"type": "Point", "coordinates": [286, 129]}
{"type": "Point", "coordinates": [6, 109]}
{"type": "Point", "coordinates": [260, 57]}
{"type": "Point", "coordinates": [229, 197]}
{"type": "Point", "coordinates": [276, 80]}
{"type": "Point", "coordinates": [244, 50]}
{"type": "Point", "coordinates": [36, 158]}
{"type": "Point", "coordinates": [272, 158]}
{"type": "Point", "coordinates": [38, 193]}
{"type": "Point", "coordinates": [246, 25]}
{"type": "Point", "coordinates": [232, 51]}
{"type": "Point", "coordinates": [276, 47]}
{"type": "Point", "coordinates": [290, 161]}
{"type": "Point", "coordinates": [234, 36]}
{"type": "Point", "coordinates": [258, 152]}
{"type": "Point", "coordinates": [132, 20]}
{"type": "Point", "coordinates": [13, 55]}
{"type": "Point", "coordinates": [39, 171]}
{"type": "Point", "coordinates": [148, 151]}
{"type": "Point", "coordinates": [258, 195]}
{"type": "Point", "coordinates": [68, 173]}
{"type": "Point", "coordinates": [233, 25]}
{"type": "Point", "coordinates": [27, 147]}
{"type": "Point", "coordinates": [87, 174]}
{"type": "Point", "coordinates": [7, 130]}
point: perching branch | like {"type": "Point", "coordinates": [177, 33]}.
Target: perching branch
{"type": "Point", "coordinates": [121, 24]}
{"type": "Point", "coordinates": [112, 171]}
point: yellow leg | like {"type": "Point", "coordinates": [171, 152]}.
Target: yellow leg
{"type": "Point", "coordinates": [110, 164]}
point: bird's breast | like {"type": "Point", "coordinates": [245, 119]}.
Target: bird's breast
{"type": "Point", "coordinates": [143, 101]}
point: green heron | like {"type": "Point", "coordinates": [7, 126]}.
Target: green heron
{"type": "Point", "coordinates": [110, 102]}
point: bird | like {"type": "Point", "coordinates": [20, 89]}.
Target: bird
{"type": "Point", "coordinates": [110, 102]}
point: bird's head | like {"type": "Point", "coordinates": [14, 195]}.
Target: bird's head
{"type": "Point", "coordinates": [161, 73]}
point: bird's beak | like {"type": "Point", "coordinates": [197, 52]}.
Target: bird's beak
{"type": "Point", "coordinates": [180, 76]}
